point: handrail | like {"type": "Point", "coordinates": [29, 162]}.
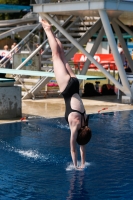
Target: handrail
{"type": "Point", "coordinates": [17, 46]}
{"type": "Point", "coordinates": [38, 48]}
{"type": "Point", "coordinates": [16, 51]}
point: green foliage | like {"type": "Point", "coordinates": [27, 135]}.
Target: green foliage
{"type": "Point", "coordinates": [9, 1]}
{"type": "Point", "coordinates": [2, 16]}
{"type": "Point", "coordinates": [15, 2]}
{"type": "Point", "coordinates": [24, 2]}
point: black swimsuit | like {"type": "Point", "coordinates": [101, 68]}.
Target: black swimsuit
{"type": "Point", "coordinates": [71, 89]}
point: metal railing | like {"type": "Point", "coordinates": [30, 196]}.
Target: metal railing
{"type": "Point", "coordinates": [24, 41]}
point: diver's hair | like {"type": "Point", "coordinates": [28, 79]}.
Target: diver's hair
{"type": "Point", "coordinates": [84, 135]}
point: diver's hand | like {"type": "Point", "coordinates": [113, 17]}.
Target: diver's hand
{"type": "Point", "coordinates": [79, 168]}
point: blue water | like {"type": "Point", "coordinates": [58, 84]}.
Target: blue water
{"type": "Point", "coordinates": [35, 161]}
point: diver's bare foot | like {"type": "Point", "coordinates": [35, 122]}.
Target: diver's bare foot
{"type": "Point", "coordinates": [46, 25]}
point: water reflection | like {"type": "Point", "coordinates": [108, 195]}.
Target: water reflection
{"type": "Point", "coordinates": [77, 188]}
{"type": "Point", "coordinates": [10, 130]}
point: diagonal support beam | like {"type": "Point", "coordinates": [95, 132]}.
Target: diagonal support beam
{"type": "Point", "coordinates": [113, 46]}
{"type": "Point", "coordinates": [78, 46]}
{"type": "Point", "coordinates": [123, 26]}
{"type": "Point", "coordinates": [122, 42]}
{"type": "Point", "coordinates": [83, 40]}
{"type": "Point", "coordinates": [93, 50]}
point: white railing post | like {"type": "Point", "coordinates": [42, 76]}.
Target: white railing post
{"type": "Point", "coordinates": [113, 46]}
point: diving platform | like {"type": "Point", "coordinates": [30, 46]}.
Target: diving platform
{"type": "Point", "coordinates": [120, 9]}
{"type": "Point", "coordinates": [45, 74]}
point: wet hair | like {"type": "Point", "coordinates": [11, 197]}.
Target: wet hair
{"type": "Point", "coordinates": [84, 134]}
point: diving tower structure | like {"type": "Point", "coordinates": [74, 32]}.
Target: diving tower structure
{"type": "Point", "coordinates": [112, 15]}
{"type": "Point", "coordinates": [26, 23]}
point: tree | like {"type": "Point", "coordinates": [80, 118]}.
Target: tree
{"type": "Point", "coordinates": [15, 2]}
{"type": "Point", "coordinates": [24, 2]}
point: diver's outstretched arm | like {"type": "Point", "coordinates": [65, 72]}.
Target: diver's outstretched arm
{"type": "Point", "coordinates": [82, 154]}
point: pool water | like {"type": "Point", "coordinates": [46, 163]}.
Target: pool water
{"type": "Point", "coordinates": [35, 161]}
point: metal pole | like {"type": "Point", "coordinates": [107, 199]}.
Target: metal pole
{"type": "Point", "coordinates": [115, 52]}
{"type": "Point", "coordinates": [44, 36]}
{"type": "Point", "coordinates": [122, 42]}
{"type": "Point", "coordinates": [78, 46]}
{"type": "Point", "coordinates": [39, 36]}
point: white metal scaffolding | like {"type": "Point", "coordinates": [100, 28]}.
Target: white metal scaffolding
{"type": "Point", "coordinates": [124, 87]}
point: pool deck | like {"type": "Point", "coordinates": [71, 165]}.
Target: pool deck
{"type": "Point", "coordinates": [54, 107]}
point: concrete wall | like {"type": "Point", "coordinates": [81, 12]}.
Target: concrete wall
{"type": "Point", "coordinates": [10, 102]}
{"type": "Point", "coordinates": [102, 49]}
{"type": "Point", "coordinates": [33, 64]}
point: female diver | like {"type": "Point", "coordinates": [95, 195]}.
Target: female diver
{"type": "Point", "coordinates": [75, 113]}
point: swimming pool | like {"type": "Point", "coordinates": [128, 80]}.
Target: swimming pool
{"type": "Point", "coordinates": [35, 161]}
